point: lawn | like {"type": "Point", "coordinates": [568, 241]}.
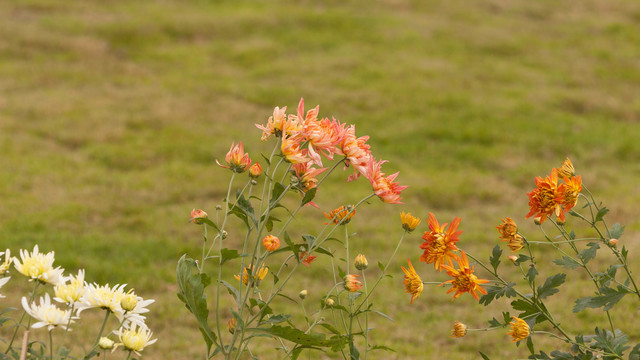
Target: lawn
{"type": "Point", "coordinates": [112, 114]}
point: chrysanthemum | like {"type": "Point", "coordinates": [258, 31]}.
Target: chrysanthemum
{"type": "Point", "coordinates": [459, 330]}
{"type": "Point", "coordinates": [570, 191]}
{"type": "Point", "coordinates": [70, 293]}
{"type": "Point", "coordinates": [412, 282]}
{"type": "Point", "coordinates": [134, 336]}
{"type": "Point", "coordinates": [47, 314]}
{"type": "Point", "coordinates": [305, 259]}
{"type": "Point", "coordinates": [104, 297]}
{"type": "Point", "coordinates": [519, 329]}
{"type": "Point", "coordinates": [38, 266]}
{"type": "Point", "coordinates": [351, 283]}
{"type": "Point", "coordinates": [341, 215]}
{"type": "Point", "coordinates": [134, 305]}
{"type": "Point", "coordinates": [440, 244]}
{"type": "Point", "coordinates": [507, 229]}
{"type": "Point", "coordinates": [355, 149]}
{"type": "Point", "coordinates": [274, 124]}
{"type": "Point", "coordinates": [567, 169]}
{"type": "Point", "coordinates": [546, 199]}
{"type": "Point", "coordinates": [255, 170]}
{"type": "Point", "coordinates": [384, 186]}
{"type": "Point", "coordinates": [260, 274]}
{"type": "Point", "coordinates": [271, 243]}
{"type": "Point", "coordinates": [292, 151]}
{"type": "Point", "coordinates": [361, 262]}
{"type": "Point", "coordinates": [464, 280]}
{"type": "Point", "coordinates": [237, 160]}
{"type": "Point", "coordinates": [6, 264]}
{"type": "Point", "coordinates": [516, 242]}
{"type": "Point", "coordinates": [409, 222]}
{"type": "Point", "coordinates": [307, 175]}
{"type": "Point", "coordinates": [197, 216]}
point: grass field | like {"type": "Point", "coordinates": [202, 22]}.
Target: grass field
{"type": "Point", "coordinates": [112, 114]}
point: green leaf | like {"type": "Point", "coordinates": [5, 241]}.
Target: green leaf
{"type": "Point", "coordinates": [299, 337]}
{"type": "Point", "coordinates": [381, 265]}
{"type": "Point", "coordinates": [266, 159]}
{"type": "Point", "coordinates": [635, 353]}
{"type": "Point", "coordinates": [607, 299]}
{"type": "Point", "coordinates": [229, 254]}
{"type": "Point", "coordinates": [485, 357]}
{"type": "Point", "coordinates": [521, 259]}
{"type": "Point", "coordinates": [611, 342]}
{"type": "Point", "coordinates": [277, 191]}
{"type": "Point", "coordinates": [616, 231]}
{"type": "Point", "coordinates": [601, 213]}
{"type": "Point", "coordinates": [276, 319]}
{"type": "Point", "coordinates": [496, 292]}
{"type": "Point", "coordinates": [531, 275]}
{"type": "Point", "coordinates": [495, 257]}
{"type": "Point", "coordinates": [209, 222]}
{"type": "Point", "coordinates": [269, 223]}
{"type": "Point", "coordinates": [191, 285]}
{"type": "Point", "coordinates": [567, 262]}
{"type": "Point", "coordinates": [383, 315]}
{"type": "Point", "coordinates": [550, 285]}
{"type": "Point", "coordinates": [381, 347]}
{"type": "Point", "coordinates": [232, 290]}
{"type": "Point", "coordinates": [309, 239]}
{"type": "Point", "coordinates": [530, 345]}
{"type": "Point", "coordinates": [529, 311]}
{"type": "Point", "coordinates": [308, 196]}
{"type": "Point", "coordinates": [589, 253]}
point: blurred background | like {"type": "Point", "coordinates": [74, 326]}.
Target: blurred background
{"type": "Point", "coordinates": [112, 114]}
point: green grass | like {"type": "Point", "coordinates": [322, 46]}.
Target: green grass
{"type": "Point", "coordinates": [112, 113]}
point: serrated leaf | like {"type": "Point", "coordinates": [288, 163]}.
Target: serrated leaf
{"type": "Point", "coordinates": [611, 342]}
{"type": "Point", "coordinates": [309, 239]}
{"type": "Point", "coordinates": [531, 275]}
{"type": "Point", "coordinates": [521, 259]}
{"type": "Point", "coordinates": [495, 257]}
{"type": "Point", "coordinates": [229, 254]}
{"type": "Point", "coordinates": [276, 192]}
{"type": "Point", "coordinates": [601, 213]}
{"type": "Point", "coordinates": [495, 323]}
{"type": "Point", "coordinates": [551, 285]}
{"type": "Point", "coordinates": [528, 310]}
{"type": "Point", "coordinates": [567, 262]}
{"type": "Point", "coordinates": [616, 231]}
{"type": "Point", "coordinates": [308, 196]}
{"type": "Point", "coordinates": [560, 355]}
{"type": "Point", "coordinates": [496, 292]}
{"type": "Point", "coordinates": [607, 299]}
{"type": "Point", "coordinates": [299, 337]}
{"type": "Point", "coordinates": [635, 353]}
{"type": "Point", "coordinates": [589, 253]}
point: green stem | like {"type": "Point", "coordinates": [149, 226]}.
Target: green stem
{"type": "Point", "coordinates": [24, 313]}
{"type": "Point", "coordinates": [50, 344]}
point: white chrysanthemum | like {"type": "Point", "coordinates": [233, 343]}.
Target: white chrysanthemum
{"type": "Point", "coordinates": [47, 314]}
{"type": "Point", "coordinates": [38, 266]}
{"type": "Point", "coordinates": [134, 336]}
{"type": "Point", "coordinates": [4, 267]}
{"type": "Point", "coordinates": [134, 305]}
{"type": "Point", "coordinates": [72, 292]}
{"type": "Point", "coordinates": [103, 297]}
{"type": "Point", "coordinates": [2, 282]}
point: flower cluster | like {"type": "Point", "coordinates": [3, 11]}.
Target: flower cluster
{"type": "Point", "coordinates": [550, 198]}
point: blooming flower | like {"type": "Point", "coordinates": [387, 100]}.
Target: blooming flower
{"type": "Point", "coordinates": [507, 229]}
{"type": "Point", "coordinates": [47, 314]}
{"type": "Point", "coordinates": [570, 191]}
{"type": "Point", "coordinates": [255, 170]}
{"type": "Point", "coordinates": [384, 186]}
{"type": "Point", "coordinates": [197, 216]}
{"type": "Point", "coordinates": [134, 336]}
{"type": "Point", "coordinates": [351, 283]}
{"type": "Point", "coordinates": [412, 282]}
{"type": "Point", "coordinates": [409, 222]}
{"type": "Point", "coordinates": [459, 330]}
{"type": "Point", "coordinates": [516, 243]}
{"type": "Point", "coordinates": [464, 280]}
{"type": "Point", "coordinates": [261, 273]}
{"type": "Point", "coordinates": [306, 175]}
{"type": "Point", "coordinates": [104, 297]}
{"type": "Point", "coordinates": [72, 292]}
{"type": "Point", "coordinates": [546, 199]}
{"type": "Point", "coordinates": [274, 124]}
{"type": "Point", "coordinates": [271, 243]}
{"type": "Point", "coordinates": [519, 329]}
{"type": "Point", "coordinates": [38, 266]}
{"type": "Point", "coordinates": [237, 160]}
{"type": "Point", "coordinates": [341, 215]}
{"type": "Point", "coordinates": [356, 150]}
{"type": "Point", "coordinates": [566, 170]}
{"type": "Point", "coordinates": [305, 259]}
{"type": "Point", "coordinates": [440, 244]}
{"type": "Point", "coordinates": [361, 262]}
{"type": "Point", "coordinates": [4, 266]}
{"type": "Point", "coordinates": [291, 150]}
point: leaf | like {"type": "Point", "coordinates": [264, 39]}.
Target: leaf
{"type": "Point", "coordinates": [276, 319]}
{"type": "Point", "coordinates": [495, 257]}
{"type": "Point", "coordinates": [611, 342]}
{"type": "Point", "coordinates": [530, 345]}
{"type": "Point", "coordinates": [496, 292]}
{"type": "Point", "coordinates": [528, 310]}
{"type": "Point", "coordinates": [635, 353]}
{"type": "Point", "coordinates": [278, 189]}
{"type": "Point", "coordinates": [588, 254]}
{"type": "Point", "coordinates": [601, 213]}
{"type": "Point", "coordinates": [381, 347]}
{"type": "Point", "coordinates": [232, 290]}
{"type": "Point", "coordinates": [299, 337]}
{"type": "Point", "coordinates": [531, 275]}
{"type": "Point", "coordinates": [485, 357]}
{"type": "Point", "coordinates": [209, 222]}
{"type": "Point", "coordinates": [380, 265]}
{"type": "Point", "coordinates": [521, 259]}
{"type": "Point", "coordinates": [383, 315]}
{"type": "Point", "coordinates": [269, 223]}
{"type": "Point", "coordinates": [308, 196]}
{"type": "Point", "coordinates": [309, 239]}
{"type": "Point", "coordinates": [607, 299]}
{"type": "Point", "coordinates": [227, 254]}
{"type": "Point", "coordinates": [266, 159]}
{"type": "Point", "coordinates": [567, 262]}
{"type": "Point", "coordinates": [191, 285]}
{"type": "Point", "coordinates": [550, 285]}
{"type": "Point", "coordinates": [616, 231]}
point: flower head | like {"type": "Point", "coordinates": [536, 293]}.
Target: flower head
{"type": "Point", "coordinates": [412, 282]}
{"type": "Point", "coordinates": [291, 150]}
{"type": "Point", "coordinates": [271, 243]}
{"type": "Point", "coordinates": [341, 215]}
{"type": "Point", "coordinates": [134, 305]}
{"type": "Point", "coordinates": [275, 123]}
{"type": "Point", "coordinates": [104, 297]}
{"type": "Point", "coordinates": [519, 329]}
{"type": "Point", "coordinates": [105, 343]}
{"type": "Point", "coordinates": [351, 283]}
{"type": "Point", "coordinates": [570, 191]}
{"type": "Point", "coordinates": [440, 244]}
{"type": "Point", "coordinates": [546, 199]}
{"type": "Point", "coordinates": [258, 276]}
{"type": "Point", "coordinates": [305, 259]}
{"type": "Point", "coordinates": [38, 266]}
{"type": "Point", "coordinates": [237, 160]}
{"type": "Point", "coordinates": [255, 170]}
{"type": "Point", "coordinates": [516, 243]}
{"type": "Point", "coordinates": [47, 314]}
{"type": "Point", "coordinates": [197, 216]}
{"type": "Point", "coordinates": [6, 264]}
{"type": "Point", "coordinates": [361, 262]}
{"type": "Point", "coordinates": [409, 222]}
{"type": "Point", "coordinates": [464, 280]}
{"type": "Point", "coordinates": [567, 169]}
{"type": "Point", "coordinates": [459, 330]}
{"type": "Point", "coordinates": [305, 175]}
{"type": "Point", "coordinates": [384, 186]}
{"type": "Point", "coordinates": [134, 336]}
{"type": "Point", "coordinates": [70, 293]}
{"type": "Point", "coordinates": [507, 229]}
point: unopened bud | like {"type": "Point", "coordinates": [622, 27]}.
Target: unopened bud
{"type": "Point", "coordinates": [255, 170]}
{"type": "Point", "coordinates": [224, 234]}
{"type": "Point", "coordinates": [613, 242]}
{"type": "Point", "coordinates": [536, 220]}
{"type": "Point", "coordinates": [361, 262]}
{"type": "Point", "coordinates": [560, 221]}
{"type": "Point", "coordinates": [129, 301]}
{"type": "Point", "coordinates": [253, 182]}
{"type": "Point", "coordinates": [197, 216]}
{"type": "Point", "coordinates": [218, 207]}
{"type": "Point", "coordinates": [513, 258]}
{"type": "Point", "coordinates": [329, 302]}
{"type": "Point", "coordinates": [303, 294]}
{"type": "Point", "coordinates": [105, 343]}
{"type": "Point", "coordinates": [231, 325]}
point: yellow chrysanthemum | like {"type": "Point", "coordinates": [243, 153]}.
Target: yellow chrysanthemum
{"type": "Point", "coordinates": [351, 283]}
{"type": "Point", "coordinates": [409, 222]}
{"type": "Point", "coordinates": [72, 292]}
{"type": "Point", "coordinates": [47, 313]}
{"type": "Point", "coordinates": [516, 243]}
{"type": "Point", "coordinates": [104, 297]}
{"type": "Point", "coordinates": [519, 329]}
{"type": "Point", "coordinates": [38, 266]}
{"type": "Point", "coordinates": [412, 282]}
{"type": "Point", "coordinates": [134, 336]}
{"type": "Point", "coordinates": [459, 330]}
{"type": "Point", "coordinates": [4, 266]}
{"type": "Point", "coordinates": [361, 262]}
{"type": "Point", "coordinates": [261, 273]}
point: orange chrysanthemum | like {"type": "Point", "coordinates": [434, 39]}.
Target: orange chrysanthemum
{"type": "Point", "coordinates": [516, 242]}
{"type": "Point", "coordinates": [341, 215]}
{"type": "Point", "coordinates": [459, 330]}
{"type": "Point", "coordinates": [306, 175]}
{"type": "Point", "coordinates": [409, 222]}
{"type": "Point", "coordinates": [570, 191]}
{"type": "Point", "coordinates": [567, 169]}
{"type": "Point", "coordinates": [259, 275]}
{"type": "Point", "coordinates": [236, 159]}
{"type": "Point", "coordinates": [508, 229]}
{"type": "Point", "coordinates": [271, 243]}
{"type": "Point", "coordinates": [464, 280]}
{"type": "Point", "coordinates": [384, 186]}
{"type": "Point", "coordinates": [291, 150]}
{"type": "Point", "coordinates": [351, 283]}
{"type": "Point", "coordinates": [412, 282]}
{"type": "Point", "coordinates": [546, 199]}
{"type": "Point", "coordinates": [440, 245]}
{"type": "Point", "coordinates": [305, 259]}
{"type": "Point", "coordinates": [519, 329]}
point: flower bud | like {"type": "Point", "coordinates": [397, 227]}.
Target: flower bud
{"type": "Point", "coordinates": [329, 302]}
{"type": "Point", "coordinates": [537, 220]}
{"type": "Point", "coordinates": [303, 294]}
{"type": "Point", "coordinates": [254, 182]}
{"type": "Point", "coordinates": [409, 222]}
{"type": "Point", "coordinates": [513, 258]}
{"type": "Point", "coordinates": [459, 330]}
{"type": "Point", "coordinates": [271, 243]}
{"type": "Point", "coordinates": [255, 170]}
{"type": "Point", "coordinates": [613, 242]}
{"type": "Point", "coordinates": [560, 221]}
{"type": "Point", "coordinates": [197, 216]}
{"type": "Point", "coordinates": [218, 207]}
{"type": "Point", "coordinates": [224, 234]}
{"type": "Point", "coordinates": [105, 343]}
{"type": "Point", "coordinates": [231, 325]}
{"type": "Point", "coordinates": [361, 262]}
{"type": "Point", "coordinates": [129, 301]}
